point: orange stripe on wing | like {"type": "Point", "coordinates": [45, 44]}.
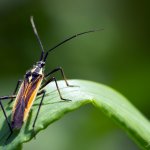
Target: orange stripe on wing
{"type": "Point", "coordinates": [31, 95]}
{"type": "Point", "coordinates": [24, 100]}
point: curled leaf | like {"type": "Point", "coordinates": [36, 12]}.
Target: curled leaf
{"type": "Point", "coordinates": [110, 102]}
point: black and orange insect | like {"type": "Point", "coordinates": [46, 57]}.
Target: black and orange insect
{"type": "Point", "coordinates": [31, 86]}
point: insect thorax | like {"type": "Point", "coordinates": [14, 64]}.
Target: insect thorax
{"type": "Point", "coordinates": [35, 72]}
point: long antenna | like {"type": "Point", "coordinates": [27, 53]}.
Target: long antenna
{"type": "Point", "coordinates": [68, 39]}
{"type": "Point", "coordinates": [37, 36]}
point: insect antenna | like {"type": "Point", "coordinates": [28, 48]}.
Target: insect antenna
{"type": "Point", "coordinates": [68, 39]}
{"type": "Point", "coordinates": [37, 36]}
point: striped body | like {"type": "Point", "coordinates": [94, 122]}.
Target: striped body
{"type": "Point", "coordinates": [25, 97]}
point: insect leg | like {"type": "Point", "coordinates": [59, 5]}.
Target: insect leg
{"type": "Point", "coordinates": [18, 84]}
{"type": "Point", "coordinates": [42, 92]}
{"type": "Point", "coordinates": [9, 125]}
{"type": "Point", "coordinates": [7, 97]}
{"type": "Point", "coordinates": [62, 73]}
{"type": "Point", "coordinates": [54, 79]}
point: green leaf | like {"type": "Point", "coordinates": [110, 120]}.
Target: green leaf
{"type": "Point", "coordinates": [110, 102]}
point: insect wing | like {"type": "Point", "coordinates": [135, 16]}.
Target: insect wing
{"type": "Point", "coordinates": [24, 101]}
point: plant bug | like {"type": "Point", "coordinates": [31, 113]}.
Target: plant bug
{"type": "Point", "coordinates": [33, 85]}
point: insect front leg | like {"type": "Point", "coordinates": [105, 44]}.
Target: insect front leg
{"type": "Point", "coordinates": [62, 73]}
{"type": "Point", "coordinates": [18, 84]}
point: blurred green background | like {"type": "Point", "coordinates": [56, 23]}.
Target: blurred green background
{"type": "Point", "coordinates": [118, 56]}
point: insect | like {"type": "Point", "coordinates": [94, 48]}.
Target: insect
{"type": "Point", "coordinates": [32, 85]}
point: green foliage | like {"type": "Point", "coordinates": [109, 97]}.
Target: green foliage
{"type": "Point", "coordinates": [110, 102]}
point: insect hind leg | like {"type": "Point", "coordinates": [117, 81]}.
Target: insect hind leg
{"type": "Point", "coordinates": [8, 123]}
